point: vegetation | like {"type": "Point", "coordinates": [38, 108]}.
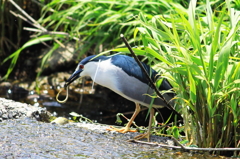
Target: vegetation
{"type": "Point", "coordinates": [195, 46]}
{"type": "Point", "coordinates": [199, 50]}
{"type": "Point", "coordinates": [91, 24]}
{"type": "Point", "coordinates": [11, 27]}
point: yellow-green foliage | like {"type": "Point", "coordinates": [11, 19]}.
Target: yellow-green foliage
{"type": "Point", "coordinates": [198, 48]}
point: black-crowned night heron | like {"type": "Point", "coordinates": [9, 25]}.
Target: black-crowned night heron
{"type": "Point", "coordinates": [122, 74]}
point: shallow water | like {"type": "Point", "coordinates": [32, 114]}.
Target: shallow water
{"type": "Point", "coordinates": [99, 104]}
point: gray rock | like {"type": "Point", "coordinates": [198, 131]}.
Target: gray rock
{"type": "Point", "coordinates": [27, 138]}
{"type": "Point", "coordinates": [59, 58]}
{"type": "Point", "coordinates": [10, 109]}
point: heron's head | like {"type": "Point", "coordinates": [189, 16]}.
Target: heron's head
{"type": "Point", "coordinates": [84, 68]}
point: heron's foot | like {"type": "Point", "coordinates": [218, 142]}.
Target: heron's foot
{"type": "Point", "coordinates": [141, 136]}
{"type": "Point", "coordinates": [122, 130]}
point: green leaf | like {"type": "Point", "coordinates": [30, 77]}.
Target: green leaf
{"type": "Point", "coordinates": [14, 56]}
{"type": "Point", "coordinates": [157, 55]}
{"type": "Point", "coordinates": [126, 50]}
{"type": "Point", "coordinates": [175, 132]}
{"type": "Point", "coordinates": [192, 86]}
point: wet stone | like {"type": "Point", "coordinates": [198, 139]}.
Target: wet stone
{"type": "Point", "coordinates": [28, 138]}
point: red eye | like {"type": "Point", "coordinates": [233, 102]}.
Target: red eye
{"type": "Point", "coordinates": [81, 66]}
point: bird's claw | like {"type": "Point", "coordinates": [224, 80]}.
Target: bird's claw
{"type": "Point", "coordinates": [121, 130]}
{"type": "Point", "coordinates": [141, 136]}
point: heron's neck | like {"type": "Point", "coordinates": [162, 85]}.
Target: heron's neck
{"type": "Point", "coordinates": [103, 73]}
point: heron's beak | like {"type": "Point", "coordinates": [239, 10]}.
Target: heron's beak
{"type": "Point", "coordinates": [73, 77]}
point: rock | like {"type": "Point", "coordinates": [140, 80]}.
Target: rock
{"type": "Point", "coordinates": [26, 138]}
{"type": "Point", "coordinates": [10, 109]}
{"type": "Point", "coordinates": [60, 121]}
{"type": "Point", "coordinates": [60, 59]}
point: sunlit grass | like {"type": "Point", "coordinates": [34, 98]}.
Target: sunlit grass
{"type": "Point", "coordinates": [93, 24]}
{"type": "Point", "coordinates": [199, 51]}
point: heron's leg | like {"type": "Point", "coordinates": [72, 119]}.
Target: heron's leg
{"type": "Point", "coordinates": [127, 127]}
{"type": "Point", "coordinates": [148, 133]}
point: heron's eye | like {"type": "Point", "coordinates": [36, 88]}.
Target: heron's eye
{"type": "Point", "coordinates": [81, 66]}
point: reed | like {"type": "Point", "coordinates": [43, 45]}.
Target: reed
{"type": "Point", "coordinates": [198, 49]}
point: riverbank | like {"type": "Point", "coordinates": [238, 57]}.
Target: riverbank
{"type": "Point", "coordinates": [22, 136]}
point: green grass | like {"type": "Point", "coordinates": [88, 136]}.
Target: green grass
{"type": "Point", "coordinates": [198, 49]}
{"type": "Point", "coordinates": [93, 24]}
